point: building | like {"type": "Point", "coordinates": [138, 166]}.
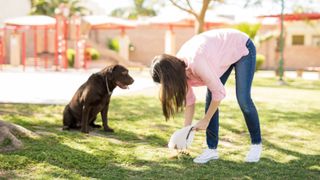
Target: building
{"type": "Point", "coordinates": [302, 42]}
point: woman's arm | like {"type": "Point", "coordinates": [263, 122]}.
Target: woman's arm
{"type": "Point", "coordinates": [203, 124]}
{"type": "Point", "coordinates": [188, 114]}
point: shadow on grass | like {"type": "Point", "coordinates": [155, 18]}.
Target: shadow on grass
{"type": "Point", "coordinates": [119, 161]}
{"type": "Point", "coordinates": [270, 116]}
{"type": "Point", "coordinates": [128, 136]}
{"type": "Point", "coordinates": [29, 115]}
{"type": "Point", "coordinates": [72, 160]}
{"type": "Point", "coordinates": [26, 109]}
{"type": "Point", "coordinates": [298, 119]}
{"type": "Point", "coordinates": [302, 118]}
{"type": "Point", "coordinates": [108, 164]}
{"type": "Point", "coordinates": [123, 108]}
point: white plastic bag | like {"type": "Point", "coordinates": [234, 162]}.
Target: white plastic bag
{"type": "Point", "coordinates": [182, 138]}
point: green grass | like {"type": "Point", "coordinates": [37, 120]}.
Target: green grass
{"type": "Point", "coordinates": [290, 123]}
{"type": "Point", "coordinates": [5, 142]}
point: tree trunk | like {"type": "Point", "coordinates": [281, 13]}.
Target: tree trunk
{"type": "Point", "coordinates": [199, 17]}
{"type": "Point", "coordinates": [199, 26]}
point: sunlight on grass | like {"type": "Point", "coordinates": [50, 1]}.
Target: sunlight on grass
{"type": "Point", "coordinates": [279, 156]}
{"type": "Point", "coordinates": [289, 118]}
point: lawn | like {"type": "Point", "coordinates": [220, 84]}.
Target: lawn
{"type": "Point", "coordinates": [290, 122]}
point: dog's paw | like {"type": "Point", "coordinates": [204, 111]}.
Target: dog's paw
{"type": "Point", "coordinates": [108, 130]}
{"type": "Point", "coordinates": [65, 128]}
{"type": "Point", "coordinates": [95, 126]}
{"type": "Point", "coordinates": [85, 131]}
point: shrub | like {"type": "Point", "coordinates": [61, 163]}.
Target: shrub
{"type": "Point", "coordinates": [113, 44]}
{"type": "Point", "coordinates": [250, 29]}
{"type": "Point", "coordinates": [71, 53]}
{"type": "Point", "coordinates": [259, 61]}
{"type": "Point", "coordinates": [93, 53]}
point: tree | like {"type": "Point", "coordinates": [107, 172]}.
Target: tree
{"type": "Point", "coordinates": [250, 29]}
{"type": "Point", "coordinates": [134, 12]}
{"type": "Point", "coordinates": [199, 16]}
{"type": "Point", "coordinates": [48, 7]}
{"type": "Point", "coordinates": [280, 68]}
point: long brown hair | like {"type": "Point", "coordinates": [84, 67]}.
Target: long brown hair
{"type": "Point", "coordinates": [170, 72]}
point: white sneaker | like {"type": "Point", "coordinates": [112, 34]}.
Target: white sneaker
{"type": "Point", "coordinates": [207, 155]}
{"type": "Point", "coordinates": [254, 153]}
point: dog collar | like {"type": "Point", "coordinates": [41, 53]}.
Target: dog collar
{"type": "Point", "coordinates": [109, 92]}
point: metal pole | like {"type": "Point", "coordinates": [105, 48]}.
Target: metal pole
{"type": "Point", "coordinates": [35, 53]}
{"type": "Point", "coordinates": [46, 51]}
{"type": "Point", "coordinates": [24, 50]}
{"type": "Point", "coordinates": [56, 53]}
{"type": "Point", "coordinates": [65, 40]}
{"type": "Point", "coordinates": [77, 58]}
{"type": "Point", "coordinates": [1, 48]}
{"type": "Point", "coordinates": [281, 69]}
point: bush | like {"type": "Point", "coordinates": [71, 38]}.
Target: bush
{"type": "Point", "coordinates": [259, 61]}
{"type": "Point", "coordinates": [113, 44]}
{"type": "Point", "coordinates": [71, 54]}
{"type": "Point", "coordinates": [93, 53]}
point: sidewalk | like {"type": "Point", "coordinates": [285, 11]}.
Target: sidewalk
{"type": "Point", "coordinates": [51, 87]}
{"type": "Point", "coordinates": [290, 74]}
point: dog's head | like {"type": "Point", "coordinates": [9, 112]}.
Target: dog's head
{"type": "Point", "coordinates": [119, 75]}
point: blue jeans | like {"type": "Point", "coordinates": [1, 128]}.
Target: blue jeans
{"type": "Point", "coordinates": [244, 71]}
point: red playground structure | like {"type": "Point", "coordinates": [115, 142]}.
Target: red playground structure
{"type": "Point", "coordinates": [49, 38]}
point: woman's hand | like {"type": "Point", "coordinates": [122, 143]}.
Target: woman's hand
{"type": "Point", "coordinates": [201, 125]}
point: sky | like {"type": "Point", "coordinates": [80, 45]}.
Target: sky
{"type": "Point", "coordinates": [233, 7]}
{"type": "Point", "coordinates": [104, 7]}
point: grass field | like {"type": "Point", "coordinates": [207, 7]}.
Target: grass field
{"type": "Point", "coordinates": [290, 123]}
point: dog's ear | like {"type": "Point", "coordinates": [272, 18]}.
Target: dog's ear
{"type": "Point", "coordinates": [109, 71]}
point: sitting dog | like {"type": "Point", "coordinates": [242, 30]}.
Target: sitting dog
{"type": "Point", "coordinates": [93, 97]}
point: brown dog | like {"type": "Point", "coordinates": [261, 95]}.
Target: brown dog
{"type": "Point", "coordinates": [93, 97]}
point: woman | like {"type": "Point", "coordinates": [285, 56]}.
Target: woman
{"type": "Point", "coordinates": [207, 59]}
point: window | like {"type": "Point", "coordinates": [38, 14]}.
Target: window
{"type": "Point", "coordinates": [316, 40]}
{"type": "Point", "coordinates": [298, 40]}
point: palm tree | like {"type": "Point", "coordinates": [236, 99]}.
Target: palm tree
{"type": "Point", "coordinates": [134, 12]}
{"type": "Point", "coordinates": [250, 29]}
{"type": "Point", "coordinates": [48, 7]}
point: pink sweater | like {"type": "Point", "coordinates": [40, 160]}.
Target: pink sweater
{"type": "Point", "coordinates": [208, 55]}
